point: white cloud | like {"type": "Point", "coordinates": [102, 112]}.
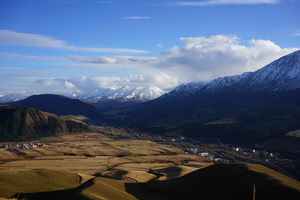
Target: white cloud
{"type": "Point", "coordinates": [221, 2]}
{"type": "Point", "coordinates": [111, 59]}
{"type": "Point", "coordinates": [136, 17]}
{"type": "Point", "coordinates": [204, 58]}
{"type": "Point", "coordinates": [44, 82]}
{"type": "Point", "coordinates": [296, 33]}
{"type": "Point", "coordinates": [29, 57]}
{"type": "Point", "coordinates": [95, 82]}
{"type": "Point", "coordinates": [13, 68]}
{"type": "Point", "coordinates": [159, 46]}
{"type": "Point", "coordinates": [8, 37]}
{"type": "Point", "coordinates": [69, 85]}
{"type": "Point", "coordinates": [86, 85]}
{"type": "Point", "coordinates": [200, 58]}
{"type": "Point", "coordinates": [12, 38]}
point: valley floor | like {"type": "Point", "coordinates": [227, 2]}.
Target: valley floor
{"type": "Point", "coordinates": [118, 164]}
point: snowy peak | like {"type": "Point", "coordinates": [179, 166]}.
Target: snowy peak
{"type": "Point", "coordinates": [139, 93]}
{"type": "Point", "coordinates": [223, 83]}
{"type": "Point", "coordinates": [150, 93]}
{"type": "Point", "coordinates": [187, 89]}
{"type": "Point", "coordinates": [282, 74]}
{"type": "Point", "coordinates": [13, 97]}
{"type": "Point", "coordinates": [125, 93]}
{"type": "Point", "coordinates": [122, 93]}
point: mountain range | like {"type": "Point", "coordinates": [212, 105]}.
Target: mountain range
{"type": "Point", "coordinates": [249, 108]}
{"type": "Point", "coordinates": [125, 93]}
{"type": "Point", "coordinates": [261, 107]}
{"type": "Point", "coordinates": [280, 75]}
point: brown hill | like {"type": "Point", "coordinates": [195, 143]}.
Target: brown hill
{"type": "Point", "coordinates": [23, 123]}
{"type": "Point", "coordinates": [222, 181]}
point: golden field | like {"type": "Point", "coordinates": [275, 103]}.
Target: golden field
{"type": "Point", "coordinates": [98, 166]}
{"type": "Point", "coordinates": [67, 162]}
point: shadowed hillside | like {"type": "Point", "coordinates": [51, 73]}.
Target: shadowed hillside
{"type": "Point", "coordinates": [255, 117]}
{"type": "Point", "coordinates": [23, 123]}
{"type": "Point", "coordinates": [226, 181]}
{"type": "Point", "coordinates": [60, 105]}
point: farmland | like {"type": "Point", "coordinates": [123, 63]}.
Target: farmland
{"type": "Point", "coordinates": [70, 161]}
{"type": "Point", "coordinates": [116, 164]}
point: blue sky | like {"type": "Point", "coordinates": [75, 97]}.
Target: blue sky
{"type": "Point", "coordinates": [75, 46]}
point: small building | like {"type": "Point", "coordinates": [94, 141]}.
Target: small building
{"type": "Point", "coordinates": [203, 154]}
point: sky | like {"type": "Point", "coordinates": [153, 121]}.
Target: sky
{"type": "Point", "coordinates": [78, 46]}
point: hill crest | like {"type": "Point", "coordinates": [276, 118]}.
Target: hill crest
{"type": "Point", "coordinates": [60, 105]}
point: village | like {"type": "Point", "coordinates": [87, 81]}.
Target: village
{"type": "Point", "coordinates": [212, 149]}
{"type": "Point", "coordinates": [22, 146]}
{"type": "Point", "coordinates": [219, 152]}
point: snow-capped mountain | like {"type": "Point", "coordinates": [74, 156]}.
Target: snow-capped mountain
{"type": "Point", "coordinates": [187, 89]}
{"type": "Point", "coordinates": [123, 93]}
{"type": "Point", "coordinates": [282, 74]}
{"type": "Point", "coordinates": [13, 97]}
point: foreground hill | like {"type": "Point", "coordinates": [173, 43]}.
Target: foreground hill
{"type": "Point", "coordinates": [14, 182]}
{"type": "Point", "coordinates": [24, 123]}
{"type": "Point", "coordinates": [60, 105]}
{"type": "Point", "coordinates": [224, 181]}
{"type": "Point", "coordinates": [248, 108]}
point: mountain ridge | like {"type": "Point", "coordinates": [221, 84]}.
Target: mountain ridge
{"type": "Point", "coordinates": [125, 93]}
{"type": "Point", "coordinates": [262, 110]}
{"type": "Point", "coordinates": [282, 74]}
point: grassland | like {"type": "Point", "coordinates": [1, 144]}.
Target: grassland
{"type": "Point", "coordinates": [101, 166]}
{"type": "Point", "coordinates": [67, 162]}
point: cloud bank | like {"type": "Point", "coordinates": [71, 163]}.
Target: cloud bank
{"type": "Point", "coordinates": [12, 38]}
{"type": "Point", "coordinates": [86, 85]}
{"type": "Point", "coordinates": [111, 59]}
{"type": "Point", "coordinates": [202, 58]}
{"type": "Point", "coordinates": [196, 59]}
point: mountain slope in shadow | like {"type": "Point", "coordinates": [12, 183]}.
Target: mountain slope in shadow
{"type": "Point", "coordinates": [222, 181]}
{"type": "Point", "coordinates": [60, 105]}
